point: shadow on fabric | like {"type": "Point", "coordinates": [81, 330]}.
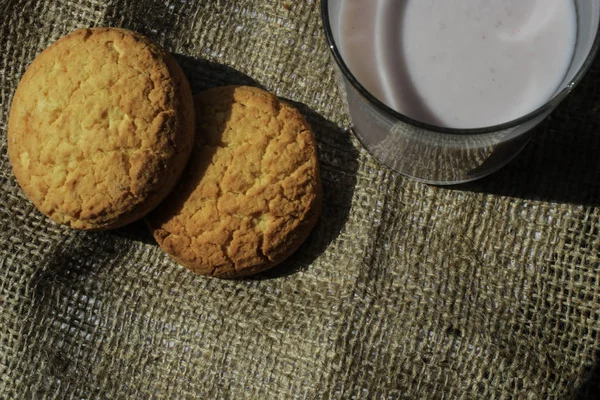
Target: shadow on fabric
{"type": "Point", "coordinates": [338, 187]}
{"type": "Point", "coordinates": [590, 390]}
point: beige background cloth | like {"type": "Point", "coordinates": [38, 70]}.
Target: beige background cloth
{"type": "Point", "coordinates": [403, 291]}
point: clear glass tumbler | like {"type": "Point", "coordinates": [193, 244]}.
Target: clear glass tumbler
{"type": "Point", "coordinates": [440, 155]}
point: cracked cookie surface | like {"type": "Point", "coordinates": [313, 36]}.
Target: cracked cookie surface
{"type": "Point", "coordinates": [100, 128]}
{"type": "Point", "coordinates": [251, 192]}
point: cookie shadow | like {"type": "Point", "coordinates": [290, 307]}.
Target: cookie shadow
{"type": "Point", "coordinates": [136, 231]}
{"type": "Point", "coordinates": [203, 74]}
{"type": "Point", "coordinates": [590, 390]}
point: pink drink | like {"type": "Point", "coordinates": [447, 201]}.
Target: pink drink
{"type": "Point", "coordinates": [459, 63]}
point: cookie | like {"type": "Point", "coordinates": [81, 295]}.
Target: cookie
{"type": "Point", "coordinates": [100, 128]}
{"type": "Point", "coordinates": [251, 193]}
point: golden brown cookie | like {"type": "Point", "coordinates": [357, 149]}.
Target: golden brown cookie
{"type": "Point", "coordinates": [251, 193]}
{"type": "Point", "coordinates": [100, 128]}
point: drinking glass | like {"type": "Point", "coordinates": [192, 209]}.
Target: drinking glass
{"type": "Point", "coordinates": [439, 155]}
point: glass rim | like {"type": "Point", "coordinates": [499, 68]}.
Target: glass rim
{"type": "Point", "coordinates": [546, 107]}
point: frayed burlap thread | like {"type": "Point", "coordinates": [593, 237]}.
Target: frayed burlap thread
{"type": "Point", "coordinates": [403, 291]}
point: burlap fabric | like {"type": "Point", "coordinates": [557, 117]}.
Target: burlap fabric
{"type": "Point", "coordinates": [408, 291]}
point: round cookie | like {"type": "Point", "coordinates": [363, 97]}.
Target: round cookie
{"type": "Point", "coordinates": [251, 193]}
{"type": "Point", "coordinates": [100, 128]}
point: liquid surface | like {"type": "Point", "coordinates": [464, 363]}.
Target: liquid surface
{"type": "Point", "coordinates": [459, 63]}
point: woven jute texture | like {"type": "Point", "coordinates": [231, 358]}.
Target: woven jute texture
{"type": "Point", "coordinates": [403, 291]}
